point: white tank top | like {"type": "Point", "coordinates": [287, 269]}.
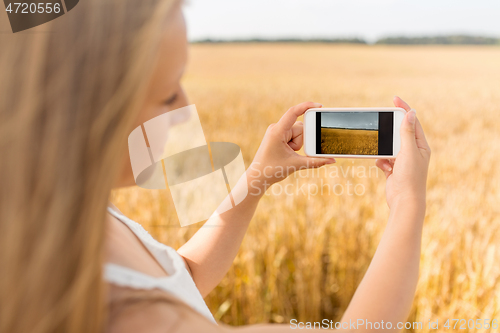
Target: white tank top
{"type": "Point", "coordinates": [178, 283]}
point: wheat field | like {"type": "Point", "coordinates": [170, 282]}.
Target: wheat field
{"type": "Point", "coordinates": [349, 141]}
{"type": "Point", "coordinates": [305, 253]}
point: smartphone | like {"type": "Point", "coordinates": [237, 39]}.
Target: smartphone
{"type": "Point", "coordinates": [353, 132]}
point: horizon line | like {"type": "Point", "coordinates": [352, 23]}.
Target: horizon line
{"type": "Point", "coordinates": [364, 129]}
{"type": "Point", "coordinates": [451, 39]}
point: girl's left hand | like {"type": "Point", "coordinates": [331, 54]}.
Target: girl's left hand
{"type": "Point", "coordinates": [276, 158]}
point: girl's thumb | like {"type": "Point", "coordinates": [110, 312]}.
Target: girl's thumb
{"type": "Point", "coordinates": [314, 162]}
{"type": "Point", "coordinates": [408, 130]}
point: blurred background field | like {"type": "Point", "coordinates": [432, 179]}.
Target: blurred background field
{"type": "Point", "coordinates": [305, 253]}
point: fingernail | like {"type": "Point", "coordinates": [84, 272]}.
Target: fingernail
{"type": "Point", "coordinates": [389, 169]}
{"type": "Point", "coordinates": [411, 116]}
{"type": "Point", "coordinates": [318, 105]}
{"type": "Point", "coordinates": [332, 160]}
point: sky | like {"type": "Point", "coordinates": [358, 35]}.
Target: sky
{"type": "Point", "coordinates": [368, 19]}
{"type": "Point", "coordinates": [365, 120]}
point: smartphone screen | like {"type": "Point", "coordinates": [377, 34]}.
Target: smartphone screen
{"type": "Point", "coordinates": [354, 133]}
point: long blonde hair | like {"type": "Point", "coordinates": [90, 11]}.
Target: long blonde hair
{"type": "Point", "coordinates": [70, 91]}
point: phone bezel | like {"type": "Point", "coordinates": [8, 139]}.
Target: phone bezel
{"type": "Point", "coordinates": [310, 130]}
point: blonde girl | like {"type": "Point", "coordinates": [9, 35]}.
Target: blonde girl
{"type": "Point", "coordinates": [71, 91]}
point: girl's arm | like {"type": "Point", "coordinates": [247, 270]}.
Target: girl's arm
{"type": "Point", "coordinates": [388, 287]}
{"type": "Point", "coordinates": [387, 290]}
{"type": "Point", "coordinates": [211, 251]}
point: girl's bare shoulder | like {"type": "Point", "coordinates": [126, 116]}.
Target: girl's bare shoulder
{"type": "Point", "coordinates": [152, 311]}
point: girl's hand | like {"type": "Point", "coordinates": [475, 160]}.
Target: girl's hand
{"type": "Point", "coordinates": [276, 158]}
{"type": "Point", "coordinates": [407, 174]}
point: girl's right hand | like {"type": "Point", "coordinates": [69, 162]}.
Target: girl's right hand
{"type": "Point", "coordinates": [407, 174]}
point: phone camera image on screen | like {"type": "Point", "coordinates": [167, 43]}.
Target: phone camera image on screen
{"type": "Point", "coordinates": [354, 133]}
